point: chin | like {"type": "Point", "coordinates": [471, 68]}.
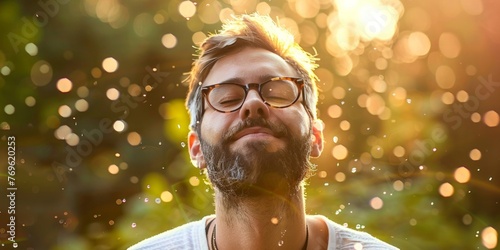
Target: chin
{"type": "Point", "coordinates": [263, 173]}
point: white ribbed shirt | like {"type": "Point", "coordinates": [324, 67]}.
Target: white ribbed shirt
{"type": "Point", "coordinates": [191, 236]}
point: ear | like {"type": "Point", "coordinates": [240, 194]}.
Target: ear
{"type": "Point", "coordinates": [317, 138]}
{"type": "Point", "coordinates": [195, 152]}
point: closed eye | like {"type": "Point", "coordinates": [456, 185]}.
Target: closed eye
{"type": "Point", "coordinates": [229, 100]}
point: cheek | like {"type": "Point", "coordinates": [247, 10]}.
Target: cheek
{"type": "Point", "coordinates": [213, 126]}
{"type": "Point", "coordinates": [304, 128]}
{"type": "Point", "coordinates": [297, 122]}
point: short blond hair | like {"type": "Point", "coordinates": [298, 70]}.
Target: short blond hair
{"type": "Point", "coordinates": [252, 30]}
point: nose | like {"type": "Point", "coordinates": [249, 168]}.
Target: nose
{"type": "Point", "coordinates": [254, 106]}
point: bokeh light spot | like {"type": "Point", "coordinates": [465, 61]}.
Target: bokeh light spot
{"type": "Point", "coordinates": [462, 175]}
{"type": "Point", "coordinates": [263, 8]}
{"type": "Point", "coordinates": [31, 49]}
{"type": "Point", "coordinates": [334, 111]}
{"type": "Point", "coordinates": [119, 126]}
{"type": "Point", "coordinates": [81, 105]}
{"type": "Point", "coordinates": [166, 196]}
{"type": "Point", "coordinates": [449, 45]}
{"type": "Point", "coordinates": [134, 179]}
{"type": "Point", "coordinates": [413, 222]}
{"type": "Point", "coordinates": [110, 64]}
{"type": "Point", "coordinates": [159, 18]}
{"type": "Point", "coordinates": [274, 220]}
{"type": "Point", "coordinates": [169, 40]}
{"type": "Point", "coordinates": [375, 104]}
{"type": "Point", "coordinates": [64, 111]}
{"type": "Point", "coordinates": [376, 203]}
{"type": "Point", "coordinates": [338, 93]}
{"type": "Point", "coordinates": [187, 9]}
{"type": "Point", "coordinates": [194, 181]}
{"type": "Point", "coordinates": [322, 174]}
{"type": "Point", "coordinates": [398, 185]}
{"type": "Point", "coordinates": [82, 92]}
{"type": "Point", "coordinates": [377, 151]}
{"type": "Point", "coordinates": [489, 237]}
{"type": "Point", "coordinates": [134, 90]}
{"type": "Point", "coordinates": [399, 93]}
{"type": "Point", "coordinates": [472, 7]}
{"type": "Point", "coordinates": [134, 138]}
{"type": "Point", "coordinates": [467, 219]}
{"type": "Point", "coordinates": [399, 151]}
{"type": "Point", "coordinates": [9, 109]}
{"type": "Point", "coordinates": [5, 70]}
{"type": "Point", "coordinates": [307, 8]}
{"type": "Point", "coordinates": [447, 98]}
{"type": "Point", "coordinates": [366, 158]}
{"type": "Point", "coordinates": [445, 77]}
{"type": "Point", "coordinates": [209, 10]}
{"type": "Point", "coordinates": [198, 38]}
{"type": "Point", "coordinates": [339, 152]}
{"type": "Point", "coordinates": [112, 94]}
{"type": "Point", "coordinates": [113, 169]}
{"type": "Point", "coordinates": [72, 139]}
{"type": "Point", "coordinates": [462, 96]}
{"type": "Point", "coordinates": [378, 84]}
{"type": "Point", "coordinates": [226, 14]}
{"type": "Point", "coordinates": [366, 20]}
{"type": "Point", "coordinates": [446, 189]}
{"type": "Point", "coordinates": [419, 44]}
{"type": "Point", "coordinates": [470, 70]}
{"type": "Point", "coordinates": [381, 63]}
{"type": "Point", "coordinates": [41, 73]}
{"type": "Point", "coordinates": [475, 154]}
{"type": "Point", "coordinates": [64, 85]}
{"type": "Point", "coordinates": [491, 118]}
{"type": "Point", "coordinates": [345, 125]}
{"type": "Point", "coordinates": [340, 177]}
{"type": "Point", "coordinates": [475, 117]}
{"type": "Point", "coordinates": [61, 132]}
{"type": "Point", "coordinates": [30, 101]}
{"type": "Point", "coordinates": [96, 72]}
{"type": "Point", "coordinates": [343, 64]}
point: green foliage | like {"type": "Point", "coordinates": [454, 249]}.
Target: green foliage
{"type": "Point", "coordinates": [405, 134]}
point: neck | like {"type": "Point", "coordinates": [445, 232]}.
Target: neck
{"type": "Point", "coordinates": [262, 222]}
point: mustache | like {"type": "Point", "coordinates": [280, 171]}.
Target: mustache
{"type": "Point", "coordinates": [278, 130]}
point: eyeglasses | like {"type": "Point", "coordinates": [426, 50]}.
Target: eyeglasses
{"type": "Point", "coordinates": [277, 92]}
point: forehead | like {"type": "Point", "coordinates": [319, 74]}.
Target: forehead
{"type": "Point", "coordinates": [249, 65]}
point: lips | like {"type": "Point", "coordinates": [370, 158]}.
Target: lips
{"type": "Point", "coordinates": [252, 131]}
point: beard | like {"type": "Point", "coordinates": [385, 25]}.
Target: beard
{"type": "Point", "coordinates": [261, 169]}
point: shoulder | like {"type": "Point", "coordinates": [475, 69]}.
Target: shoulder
{"type": "Point", "coordinates": [341, 237]}
{"type": "Point", "coordinates": [187, 236]}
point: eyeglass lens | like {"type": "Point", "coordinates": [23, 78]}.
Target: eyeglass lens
{"type": "Point", "coordinates": [276, 93]}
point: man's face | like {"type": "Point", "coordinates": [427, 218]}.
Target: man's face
{"type": "Point", "coordinates": [256, 146]}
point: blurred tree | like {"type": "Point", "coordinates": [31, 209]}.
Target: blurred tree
{"type": "Point", "coordinates": [93, 91]}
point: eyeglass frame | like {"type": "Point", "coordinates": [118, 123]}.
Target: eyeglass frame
{"type": "Point", "coordinates": [299, 82]}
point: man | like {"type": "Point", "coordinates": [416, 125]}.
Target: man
{"type": "Point", "coordinates": [252, 102]}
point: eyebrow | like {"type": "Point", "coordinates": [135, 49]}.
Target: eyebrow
{"type": "Point", "coordinates": [239, 80]}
